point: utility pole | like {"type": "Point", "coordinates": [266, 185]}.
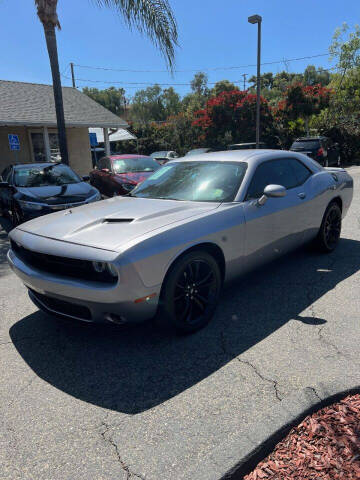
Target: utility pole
{"type": "Point", "coordinates": [244, 75]}
{"type": "Point", "coordinates": [257, 19]}
{"type": "Point", "coordinates": [72, 75]}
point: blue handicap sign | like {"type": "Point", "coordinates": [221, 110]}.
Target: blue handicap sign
{"type": "Point", "coordinates": [93, 139]}
{"type": "Point", "coordinates": [14, 142]}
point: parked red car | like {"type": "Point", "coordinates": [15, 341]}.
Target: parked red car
{"type": "Point", "coordinates": [119, 174]}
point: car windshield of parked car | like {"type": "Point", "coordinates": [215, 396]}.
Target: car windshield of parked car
{"type": "Point", "coordinates": [306, 144]}
{"type": "Point", "coordinates": [194, 181]}
{"type": "Point", "coordinates": [44, 176]}
{"type": "Point", "coordinates": [133, 165]}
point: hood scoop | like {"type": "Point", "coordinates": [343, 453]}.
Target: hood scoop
{"type": "Point", "coordinates": [118, 220]}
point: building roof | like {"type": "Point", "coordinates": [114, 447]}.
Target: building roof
{"type": "Point", "coordinates": [32, 104]}
{"type": "Point", "coordinates": [120, 135]}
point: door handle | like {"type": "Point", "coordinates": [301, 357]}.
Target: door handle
{"type": "Point", "coordinates": [302, 195]}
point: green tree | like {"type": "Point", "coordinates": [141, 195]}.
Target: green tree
{"type": "Point", "coordinates": [151, 17]}
{"type": "Point", "coordinates": [147, 105]}
{"type": "Point", "coordinates": [223, 86]}
{"type": "Point", "coordinates": [199, 94]}
{"type": "Point", "coordinates": [171, 102]}
{"type": "Point", "coordinates": [345, 48]}
{"type": "Point", "coordinates": [316, 76]}
{"type": "Point", "coordinates": [111, 98]}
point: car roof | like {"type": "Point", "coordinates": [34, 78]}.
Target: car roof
{"type": "Point", "coordinates": [249, 143]}
{"type": "Point", "coordinates": [39, 164]}
{"type": "Point", "coordinates": [320, 137]}
{"type": "Point", "coordinates": [126, 156]}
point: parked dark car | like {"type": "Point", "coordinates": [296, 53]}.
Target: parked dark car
{"type": "Point", "coordinates": [245, 146]}
{"type": "Point", "coordinates": [119, 174]}
{"type": "Point", "coordinates": [34, 189]}
{"type": "Point", "coordinates": [321, 149]}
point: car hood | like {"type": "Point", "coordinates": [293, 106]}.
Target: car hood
{"type": "Point", "coordinates": [54, 195]}
{"type": "Point", "coordinates": [112, 223]}
{"type": "Point", "coordinates": [135, 177]}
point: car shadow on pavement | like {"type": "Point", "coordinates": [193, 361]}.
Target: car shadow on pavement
{"type": "Point", "coordinates": [5, 227]}
{"type": "Point", "coordinates": [136, 368]}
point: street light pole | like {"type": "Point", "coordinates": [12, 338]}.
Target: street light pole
{"type": "Point", "coordinates": [257, 19]}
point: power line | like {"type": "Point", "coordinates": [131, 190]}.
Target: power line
{"type": "Point", "coordinates": [207, 69]}
{"type": "Point", "coordinates": [137, 84]}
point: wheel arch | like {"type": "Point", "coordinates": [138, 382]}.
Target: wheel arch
{"type": "Point", "coordinates": [212, 248]}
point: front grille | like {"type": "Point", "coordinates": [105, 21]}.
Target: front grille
{"type": "Point", "coordinates": [61, 266]}
{"type": "Point", "coordinates": [62, 307]}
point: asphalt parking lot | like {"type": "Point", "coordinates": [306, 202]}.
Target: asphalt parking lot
{"type": "Point", "coordinates": [87, 402]}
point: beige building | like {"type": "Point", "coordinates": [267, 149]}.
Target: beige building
{"type": "Point", "coordinates": [28, 111]}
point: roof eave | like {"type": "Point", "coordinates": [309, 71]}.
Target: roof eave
{"type": "Point", "coordinates": [24, 123]}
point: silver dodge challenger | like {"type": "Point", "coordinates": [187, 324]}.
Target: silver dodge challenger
{"type": "Point", "coordinates": [167, 248]}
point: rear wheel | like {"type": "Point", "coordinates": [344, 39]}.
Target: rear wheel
{"type": "Point", "coordinates": [330, 229]}
{"type": "Point", "coordinates": [190, 292]}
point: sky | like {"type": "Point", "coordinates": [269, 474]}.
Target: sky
{"type": "Point", "coordinates": [212, 34]}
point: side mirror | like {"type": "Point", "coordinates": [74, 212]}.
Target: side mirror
{"type": "Point", "coordinates": [272, 191]}
{"type": "Point", "coordinates": [86, 178]}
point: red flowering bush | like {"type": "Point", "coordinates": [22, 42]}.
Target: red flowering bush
{"type": "Point", "coordinates": [230, 117]}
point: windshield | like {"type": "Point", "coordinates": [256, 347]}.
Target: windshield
{"type": "Point", "coordinates": [195, 181]}
{"type": "Point", "coordinates": [133, 165]}
{"type": "Point", "coordinates": [306, 144]}
{"type": "Point", "coordinates": [44, 176]}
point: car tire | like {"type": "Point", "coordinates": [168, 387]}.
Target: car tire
{"type": "Point", "coordinates": [190, 292]}
{"type": "Point", "coordinates": [330, 229]}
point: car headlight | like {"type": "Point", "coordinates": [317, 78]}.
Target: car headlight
{"type": "Point", "coordinates": [31, 205]}
{"type": "Point", "coordinates": [128, 186]}
{"type": "Point", "coordinates": [105, 267]}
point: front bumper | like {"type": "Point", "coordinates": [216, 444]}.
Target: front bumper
{"type": "Point", "coordinates": [89, 301]}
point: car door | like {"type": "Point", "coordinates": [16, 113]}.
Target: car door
{"type": "Point", "coordinates": [277, 226]}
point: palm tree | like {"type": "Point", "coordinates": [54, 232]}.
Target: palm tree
{"type": "Point", "coordinates": [151, 17]}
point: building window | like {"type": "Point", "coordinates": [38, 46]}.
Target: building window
{"type": "Point", "coordinates": [38, 142]}
{"type": "Point", "coordinates": [54, 147]}
{"type": "Point", "coordinates": [38, 146]}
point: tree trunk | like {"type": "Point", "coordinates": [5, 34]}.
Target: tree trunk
{"type": "Point", "coordinates": [50, 36]}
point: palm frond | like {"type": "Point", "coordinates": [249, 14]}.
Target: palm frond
{"type": "Point", "coordinates": [153, 18]}
{"type": "Point", "coordinates": [47, 12]}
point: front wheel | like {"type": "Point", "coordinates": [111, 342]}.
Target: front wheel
{"type": "Point", "coordinates": [190, 292]}
{"type": "Point", "coordinates": [330, 229]}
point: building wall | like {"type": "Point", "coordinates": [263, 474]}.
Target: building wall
{"type": "Point", "coordinates": [6, 155]}
{"type": "Point", "coordinates": [78, 145]}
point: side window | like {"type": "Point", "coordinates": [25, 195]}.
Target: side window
{"type": "Point", "coordinates": [302, 173]}
{"type": "Point", "coordinates": [272, 172]}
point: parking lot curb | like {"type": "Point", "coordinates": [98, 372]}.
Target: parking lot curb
{"type": "Point", "coordinates": [238, 457]}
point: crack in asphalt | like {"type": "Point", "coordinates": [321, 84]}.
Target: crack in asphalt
{"type": "Point", "coordinates": [315, 392]}
{"type": "Point", "coordinates": [255, 369]}
{"type": "Point", "coordinates": [326, 342]}
{"type": "Point", "coordinates": [108, 439]}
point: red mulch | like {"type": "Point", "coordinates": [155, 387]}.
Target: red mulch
{"type": "Point", "coordinates": [325, 446]}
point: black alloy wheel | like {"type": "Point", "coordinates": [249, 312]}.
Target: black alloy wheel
{"type": "Point", "coordinates": [330, 230]}
{"type": "Point", "coordinates": [191, 291]}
